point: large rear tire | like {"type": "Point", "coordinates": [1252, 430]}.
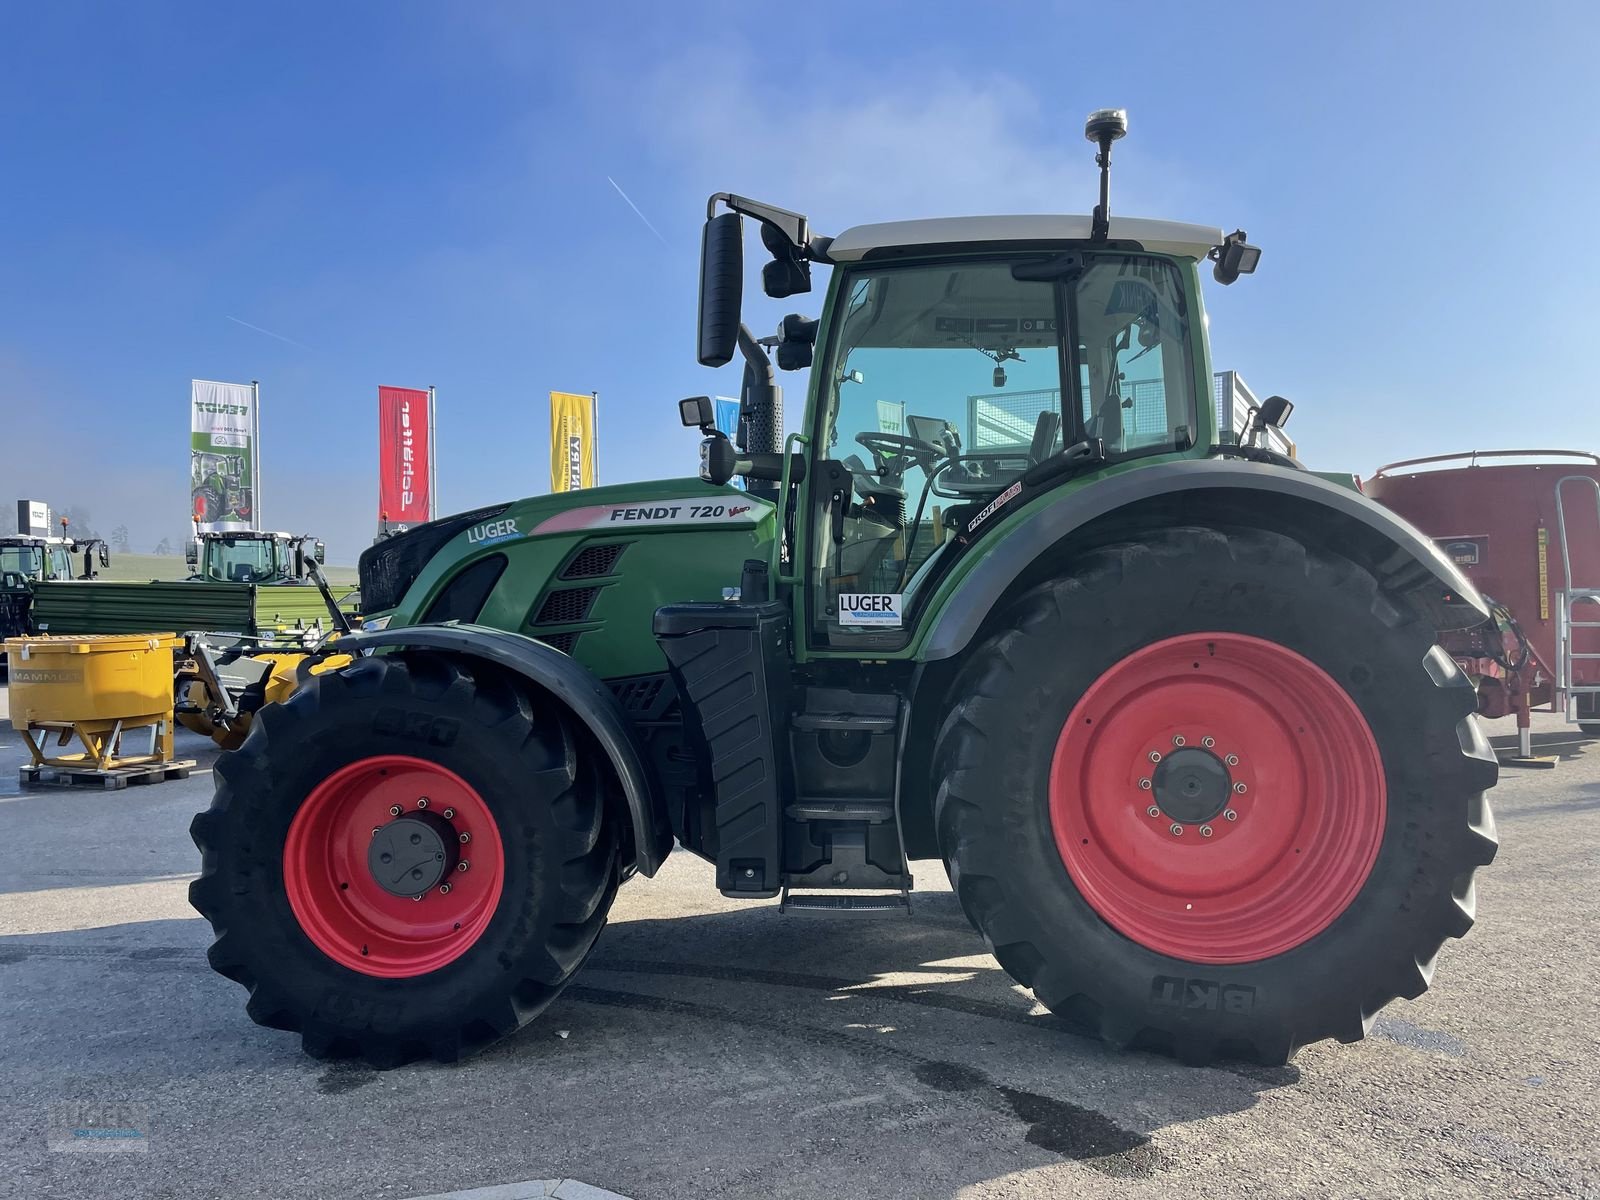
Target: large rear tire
{"type": "Point", "coordinates": [1214, 795]}
{"type": "Point", "coordinates": [421, 764]}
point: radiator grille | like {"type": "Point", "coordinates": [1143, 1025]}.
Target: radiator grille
{"type": "Point", "coordinates": [566, 607]}
{"type": "Point", "coordinates": [594, 561]}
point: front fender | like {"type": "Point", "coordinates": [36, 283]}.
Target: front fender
{"type": "Point", "coordinates": [569, 682]}
{"type": "Point", "coordinates": [1197, 491]}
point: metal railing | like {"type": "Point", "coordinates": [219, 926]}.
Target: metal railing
{"type": "Point", "coordinates": [1567, 601]}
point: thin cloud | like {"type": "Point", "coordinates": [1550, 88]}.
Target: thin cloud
{"type": "Point", "coordinates": [268, 332]}
{"type": "Point", "coordinates": [636, 211]}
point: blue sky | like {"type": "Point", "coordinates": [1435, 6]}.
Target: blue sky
{"type": "Point", "coordinates": [419, 194]}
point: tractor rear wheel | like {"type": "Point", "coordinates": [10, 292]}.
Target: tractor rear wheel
{"type": "Point", "coordinates": [410, 858]}
{"type": "Point", "coordinates": [1214, 795]}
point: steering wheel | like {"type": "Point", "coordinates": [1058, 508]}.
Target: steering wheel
{"type": "Point", "coordinates": [887, 447]}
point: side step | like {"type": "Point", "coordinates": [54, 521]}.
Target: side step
{"type": "Point", "coordinates": [842, 905]}
{"type": "Point", "coordinates": [872, 811]}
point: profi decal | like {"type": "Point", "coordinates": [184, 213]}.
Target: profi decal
{"type": "Point", "coordinates": [999, 501]}
{"type": "Point", "coordinates": [673, 511]}
{"type": "Point", "coordinates": [493, 531]}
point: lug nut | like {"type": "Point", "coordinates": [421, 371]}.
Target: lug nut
{"type": "Point", "coordinates": [1231, 815]}
{"type": "Point", "coordinates": [376, 831]}
{"type": "Point", "coordinates": [449, 813]}
{"type": "Point", "coordinates": [1208, 742]}
{"type": "Point", "coordinates": [1205, 831]}
{"type": "Point", "coordinates": [463, 865]}
{"type": "Point", "coordinates": [444, 889]}
{"type": "Point", "coordinates": [1232, 760]}
{"type": "Point", "coordinates": [1153, 811]}
{"type": "Point", "coordinates": [1177, 830]}
{"type": "Point", "coordinates": [464, 838]}
{"type": "Point", "coordinates": [1155, 756]}
{"type": "Point", "coordinates": [422, 802]}
{"type": "Point", "coordinates": [1240, 787]}
{"type": "Point", "coordinates": [1177, 739]}
{"type": "Point", "coordinates": [1144, 785]}
{"type": "Point", "coordinates": [394, 810]}
{"type": "Point", "coordinates": [416, 897]}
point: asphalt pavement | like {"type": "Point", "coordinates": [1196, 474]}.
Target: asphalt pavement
{"type": "Point", "coordinates": [718, 1049]}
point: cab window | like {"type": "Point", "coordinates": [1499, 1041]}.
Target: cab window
{"type": "Point", "coordinates": [944, 382]}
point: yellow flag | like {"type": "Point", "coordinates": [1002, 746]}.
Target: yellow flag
{"type": "Point", "coordinates": [572, 441]}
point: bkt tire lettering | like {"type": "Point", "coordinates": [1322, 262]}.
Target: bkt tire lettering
{"type": "Point", "coordinates": [416, 727]}
{"type": "Point", "coordinates": [1201, 995]}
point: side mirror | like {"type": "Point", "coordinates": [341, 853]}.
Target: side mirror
{"type": "Point", "coordinates": [319, 552]}
{"type": "Point", "coordinates": [721, 288]}
{"type": "Point", "coordinates": [105, 555]}
{"type": "Point", "coordinates": [697, 412]}
{"type": "Point", "coordinates": [1235, 257]}
{"type": "Point", "coordinates": [191, 554]}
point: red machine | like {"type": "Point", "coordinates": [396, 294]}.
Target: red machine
{"type": "Point", "coordinates": [1528, 535]}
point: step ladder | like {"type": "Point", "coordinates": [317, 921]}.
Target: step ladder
{"type": "Point", "coordinates": [1576, 608]}
{"type": "Point", "coordinates": [845, 899]}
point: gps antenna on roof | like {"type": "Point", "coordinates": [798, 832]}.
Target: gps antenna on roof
{"type": "Point", "coordinates": [1104, 126]}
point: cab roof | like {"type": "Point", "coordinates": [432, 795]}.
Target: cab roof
{"type": "Point", "coordinates": [1158, 237]}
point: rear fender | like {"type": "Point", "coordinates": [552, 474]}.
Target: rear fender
{"type": "Point", "coordinates": [1205, 491]}
{"type": "Point", "coordinates": [570, 684]}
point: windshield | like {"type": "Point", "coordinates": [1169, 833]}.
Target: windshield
{"type": "Point", "coordinates": [240, 559]}
{"type": "Point", "coordinates": [21, 560]}
{"type": "Point", "coordinates": [946, 382]}
{"type": "Point", "coordinates": [60, 562]}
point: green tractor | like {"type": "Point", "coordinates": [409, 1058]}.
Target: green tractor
{"type": "Point", "coordinates": [27, 560]}
{"type": "Point", "coordinates": [1169, 707]}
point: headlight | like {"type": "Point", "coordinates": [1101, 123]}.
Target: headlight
{"type": "Point", "coordinates": [375, 623]}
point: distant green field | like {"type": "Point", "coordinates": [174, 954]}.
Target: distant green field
{"type": "Point", "coordinates": [139, 567]}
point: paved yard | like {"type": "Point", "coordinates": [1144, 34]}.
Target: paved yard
{"type": "Point", "coordinates": [714, 1049]}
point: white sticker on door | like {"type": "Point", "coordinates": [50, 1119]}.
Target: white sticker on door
{"type": "Point", "coordinates": [878, 609]}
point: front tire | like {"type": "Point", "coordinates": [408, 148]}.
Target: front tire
{"type": "Point", "coordinates": [307, 882]}
{"type": "Point", "coordinates": [1215, 795]}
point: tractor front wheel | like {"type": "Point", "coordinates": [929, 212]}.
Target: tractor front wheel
{"type": "Point", "coordinates": [1215, 794]}
{"type": "Point", "coordinates": [409, 858]}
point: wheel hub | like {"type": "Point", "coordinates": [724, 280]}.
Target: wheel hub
{"type": "Point", "coordinates": [413, 853]}
{"type": "Point", "coordinates": [1192, 785]}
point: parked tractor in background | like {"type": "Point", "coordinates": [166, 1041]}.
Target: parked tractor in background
{"type": "Point", "coordinates": [27, 560]}
{"type": "Point", "coordinates": [1171, 711]}
{"type": "Point", "coordinates": [1527, 533]}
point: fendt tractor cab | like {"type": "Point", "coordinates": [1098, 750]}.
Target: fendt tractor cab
{"type": "Point", "coordinates": [1169, 707]}
{"type": "Point", "coordinates": [249, 556]}
{"type": "Point", "coordinates": [27, 559]}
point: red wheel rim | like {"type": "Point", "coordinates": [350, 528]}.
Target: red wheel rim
{"type": "Point", "coordinates": [342, 907]}
{"type": "Point", "coordinates": [1301, 819]}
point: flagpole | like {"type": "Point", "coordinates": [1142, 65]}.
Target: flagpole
{"type": "Point", "coordinates": [594, 399]}
{"type": "Point", "coordinates": [255, 454]}
{"type": "Point", "coordinates": [433, 459]}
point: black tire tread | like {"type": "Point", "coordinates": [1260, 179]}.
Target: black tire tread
{"type": "Point", "coordinates": [975, 862]}
{"type": "Point", "coordinates": [588, 877]}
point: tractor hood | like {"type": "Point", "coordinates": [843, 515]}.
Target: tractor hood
{"type": "Point", "coordinates": [513, 564]}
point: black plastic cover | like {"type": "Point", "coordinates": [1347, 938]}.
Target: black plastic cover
{"type": "Point", "coordinates": [729, 663]}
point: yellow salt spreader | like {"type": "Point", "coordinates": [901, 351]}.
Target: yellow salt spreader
{"type": "Point", "coordinates": [112, 692]}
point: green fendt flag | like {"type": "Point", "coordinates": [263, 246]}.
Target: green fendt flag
{"type": "Point", "coordinates": [224, 429]}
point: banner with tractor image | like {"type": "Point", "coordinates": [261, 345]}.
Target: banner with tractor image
{"type": "Point", "coordinates": [224, 427]}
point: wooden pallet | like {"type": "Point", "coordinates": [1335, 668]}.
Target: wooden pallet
{"type": "Point", "coordinates": [110, 780]}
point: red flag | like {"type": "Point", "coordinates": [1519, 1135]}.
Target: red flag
{"type": "Point", "coordinates": [404, 469]}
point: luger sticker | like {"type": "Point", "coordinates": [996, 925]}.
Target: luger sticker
{"type": "Point", "coordinates": [870, 609]}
